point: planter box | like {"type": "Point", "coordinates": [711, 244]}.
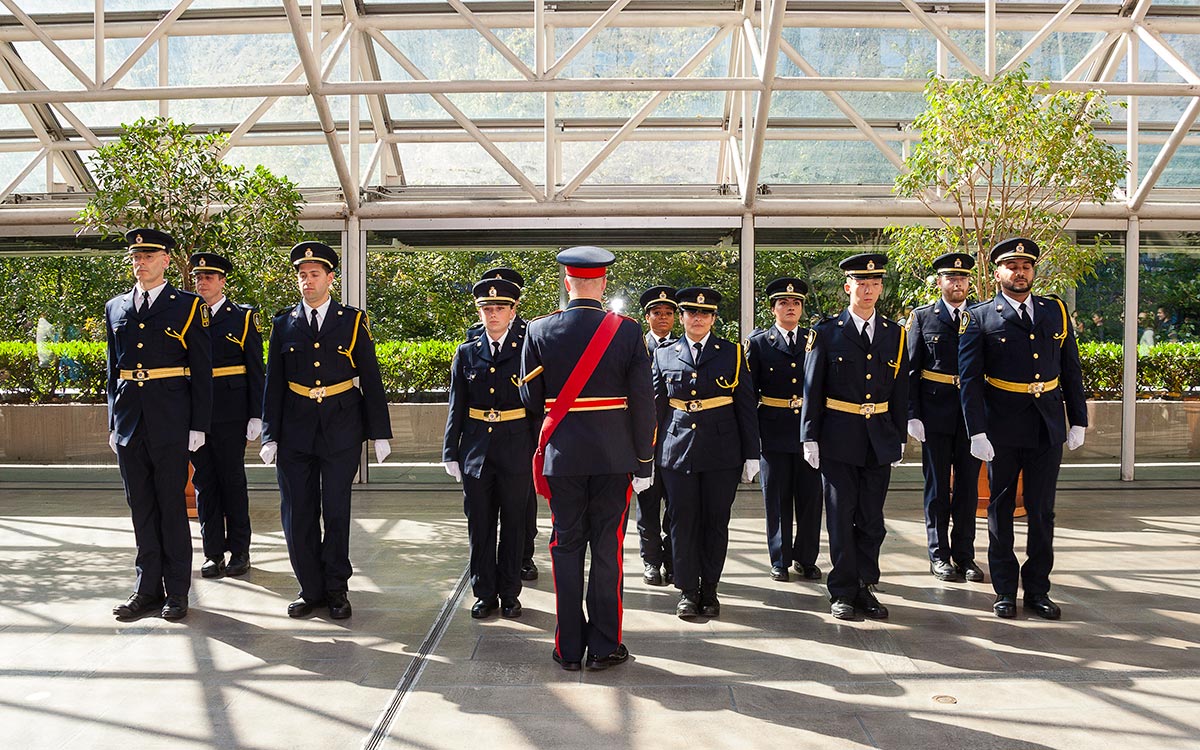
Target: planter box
{"type": "Point", "coordinates": [78, 433]}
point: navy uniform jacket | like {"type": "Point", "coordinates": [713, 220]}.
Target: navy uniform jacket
{"type": "Point", "coordinates": [652, 342]}
{"type": "Point", "coordinates": [838, 366]}
{"type": "Point", "coordinates": [612, 441]}
{"type": "Point", "coordinates": [933, 345]}
{"type": "Point", "coordinates": [995, 344]}
{"type": "Point", "coordinates": [479, 382]}
{"type": "Point", "coordinates": [777, 373]}
{"type": "Point", "coordinates": [342, 350]}
{"type": "Point", "coordinates": [236, 341]}
{"type": "Point", "coordinates": [172, 333]}
{"type": "Point", "coordinates": [720, 438]}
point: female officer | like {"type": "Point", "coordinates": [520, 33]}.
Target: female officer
{"type": "Point", "coordinates": [707, 430]}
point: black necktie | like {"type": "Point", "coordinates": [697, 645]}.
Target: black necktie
{"type": "Point", "coordinates": [662, 341]}
{"type": "Point", "coordinates": [145, 302]}
{"type": "Point", "coordinates": [791, 337]}
{"type": "Point", "coordinates": [956, 318]}
{"type": "Point", "coordinates": [1021, 313]}
{"type": "Point", "coordinates": [866, 336]}
{"type": "Point", "coordinates": [698, 348]}
{"type": "Point", "coordinates": [495, 349]}
{"type": "Point", "coordinates": [316, 326]}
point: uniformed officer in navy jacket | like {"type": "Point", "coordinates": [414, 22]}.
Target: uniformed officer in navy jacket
{"type": "Point", "coordinates": [1022, 388]}
{"type": "Point", "coordinates": [315, 420]}
{"type": "Point", "coordinates": [159, 407]}
{"type": "Point", "coordinates": [707, 438]}
{"type": "Point", "coordinates": [607, 436]}
{"type": "Point", "coordinates": [488, 446]}
{"type": "Point", "coordinates": [853, 426]}
{"type": "Point", "coordinates": [935, 419]}
{"type": "Point", "coordinates": [653, 513]}
{"type": "Point", "coordinates": [791, 488]}
{"type": "Point", "coordinates": [222, 503]}
{"type": "Point", "coordinates": [529, 570]}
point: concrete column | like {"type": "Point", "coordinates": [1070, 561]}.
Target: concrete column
{"type": "Point", "coordinates": [746, 278]}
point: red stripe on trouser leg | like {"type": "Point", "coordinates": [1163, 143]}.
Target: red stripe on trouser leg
{"type": "Point", "coordinates": [621, 565]}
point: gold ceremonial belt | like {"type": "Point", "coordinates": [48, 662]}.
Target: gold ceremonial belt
{"type": "Point", "coordinates": [1036, 389]}
{"type": "Point", "coordinates": [222, 372]}
{"type": "Point", "coordinates": [321, 391]}
{"type": "Point", "coordinates": [700, 404]}
{"type": "Point", "coordinates": [155, 374]}
{"type": "Point", "coordinates": [593, 403]}
{"type": "Point", "coordinates": [864, 409]}
{"type": "Point", "coordinates": [496, 415]}
{"type": "Point", "coordinates": [782, 403]}
{"type": "Point", "coordinates": [940, 377]}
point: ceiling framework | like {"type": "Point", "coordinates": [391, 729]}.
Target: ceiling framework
{"type": "Point", "coordinates": [343, 49]}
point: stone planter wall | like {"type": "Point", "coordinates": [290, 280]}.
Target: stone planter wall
{"type": "Point", "coordinates": [77, 433]}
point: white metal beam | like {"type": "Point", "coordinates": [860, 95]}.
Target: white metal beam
{"type": "Point", "coordinates": [1036, 41]}
{"type": "Point", "coordinates": [772, 38]}
{"type": "Point", "coordinates": [158, 32]}
{"type": "Point", "coordinates": [942, 36]}
{"type": "Point", "coordinates": [1164, 50]}
{"type": "Point", "coordinates": [48, 42]}
{"type": "Point", "coordinates": [1164, 156]}
{"type": "Point", "coordinates": [1093, 56]}
{"type": "Point", "coordinates": [600, 24]}
{"type": "Point", "coordinates": [505, 51]}
{"type": "Point", "coordinates": [37, 159]}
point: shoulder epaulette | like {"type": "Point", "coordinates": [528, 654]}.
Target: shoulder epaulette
{"type": "Point", "coordinates": [284, 311]}
{"type": "Point", "coordinates": [547, 315]}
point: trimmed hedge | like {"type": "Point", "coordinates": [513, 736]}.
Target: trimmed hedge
{"type": "Point", "coordinates": [75, 370]}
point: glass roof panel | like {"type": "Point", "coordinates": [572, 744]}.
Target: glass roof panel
{"type": "Point", "coordinates": [646, 163]}
{"type": "Point", "coordinates": [825, 162]}
{"type": "Point", "coordinates": [467, 163]}
{"type": "Point", "coordinates": [641, 52]}
{"type": "Point", "coordinates": [862, 53]}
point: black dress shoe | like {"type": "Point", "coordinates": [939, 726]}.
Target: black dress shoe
{"type": "Point", "coordinates": [688, 606]}
{"type": "Point", "coordinates": [650, 575]}
{"type": "Point", "coordinates": [970, 571]}
{"type": "Point", "coordinates": [510, 608]}
{"type": "Point", "coordinates": [1041, 604]}
{"type": "Point", "coordinates": [779, 574]}
{"type": "Point", "coordinates": [810, 572]}
{"type": "Point", "coordinates": [842, 607]}
{"type": "Point", "coordinates": [620, 656]}
{"type": "Point", "coordinates": [302, 607]}
{"type": "Point", "coordinates": [943, 570]}
{"type": "Point", "coordinates": [529, 571]}
{"type": "Point", "coordinates": [865, 602]}
{"type": "Point", "coordinates": [238, 565]}
{"type": "Point", "coordinates": [175, 608]}
{"type": "Point", "coordinates": [668, 575]}
{"type": "Point", "coordinates": [710, 605]}
{"type": "Point", "coordinates": [483, 607]}
{"type": "Point", "coordinates": [1005, 606]}
{"type": "Point", "coordinates": [137, 605]}
{"type": "Point", "coordinates": [213, 568]}
{"type": "Point", "coordinates": [339, 605]}
{"type": "Point", "coordinates": [568, 666]}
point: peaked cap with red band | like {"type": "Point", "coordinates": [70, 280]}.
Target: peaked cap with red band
{"type": "Point", "coordinates": [585, 261]}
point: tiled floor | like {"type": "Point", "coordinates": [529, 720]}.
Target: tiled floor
{"type": "Point", "coordinates": [1121, 670]}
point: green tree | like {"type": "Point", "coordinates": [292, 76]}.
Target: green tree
{"type": "Point", "coordinates": [1015, 161]}
{"type": "Point", "coordinates": [161, 174]}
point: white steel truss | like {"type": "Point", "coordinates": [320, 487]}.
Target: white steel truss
{"type": "Point", "coordinates": [364, 147]}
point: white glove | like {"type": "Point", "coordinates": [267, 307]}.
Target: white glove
{"type": "Point", "coordinates": [195, 440]}
{"type": "Point", "coordinates": [453, 470]}
{"type": "Point", "coordinates": [981, 447]}
{"type": "Point", "coordinates": [641, 484]}
{"type": "Point", "coordinates": [812, 453]}
{"type": "Point", "coordinates": [1074, 438]}
{"type": "Point", "coordinates": [902, 447]}
{"type": "Point", "coordinates": [382, 450]}
{"type": "Point", "coordinates": [749, 470]}
{"type": "Point", "coordinates": [112, 441]}
{"type": "Point", "coordinates": [253, 428]}
{"type": "Point", "coordinates": [916, 428]}
{"type": "Point", "coordinates": [268, 451]}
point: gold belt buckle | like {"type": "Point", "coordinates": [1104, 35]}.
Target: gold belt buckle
{"type": "Point", "coordinates": [141, 374]}
{"type": "Point", "coordinates": [1037, 388]}
{"type": "Point", "coordinates": [694, 405]}
{"type": "Point", "coordinates": [866, 410]}
{"type": "Point", "coordinates": [317, 393]}
{"type": "Point", "coordinates": [492, 415]}
{"type": "Point", "coordinates": [795, 402]}
{"type": "Point", "coordinates": [957, 382]}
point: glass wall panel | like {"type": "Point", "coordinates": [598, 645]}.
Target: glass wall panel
{"type": "Point", "coordinates": [826, 162]}
{"type": "Point", "coordinates": [646, 162]}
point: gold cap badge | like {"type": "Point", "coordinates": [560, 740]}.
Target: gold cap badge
{"type": "Point", "coordinates": [958, 262]}
{"type": "Point", "coordinates": [138, 239]}
{"type": "Point", "coordinates": [791, 287]}
{"type": "Point", "coordinates": [870, 265]}
{"type": "Point", "coordinates": [662, 295]}
{"type": "Point", "coordinates": [492, 291]}
{"type": "Point", "coordinates": [1020, 247]}
{"type": "Point", "coordinates": [308, 253]}
{"type": "Point", "coordinates": [700, 298]}
{"type": "Point", "coordinates": [203, 262]}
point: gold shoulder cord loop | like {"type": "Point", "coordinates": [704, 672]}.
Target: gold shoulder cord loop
{"type": "Point", "coordinates": [899, 356]}
{"type": "Point", "coordinates": [1061, 338]}
{"type": "Point", "coordinates": [737, 372]}
{"type": "Point", "coordinates": [245, 331]}
{"type": "Point", "coordinates": [186, 326]}
{"type": "Point", "coordinates": [518, 382]}
{"type": "Point", "coordinates": [349, 353]}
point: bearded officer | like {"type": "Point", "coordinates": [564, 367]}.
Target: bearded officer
{"type": "Point", "coordinates": [159, 407]}
{"type": "Point", "coordinates": [1022, 396]}
{"type": "Point", "coordinates": [588, 370]}
{"type": "Point", "coordinates": [315, 420]}
{"type": "Point", "coordinates": [488, 446]}
{"type": "Point", "coordinates": [653, 514]}
{"type": "Point", "coordinates": [529, 570]}
{"type": "Point", "coordinates": [852, 424]}
{"type": "Point", "coordinates": [935, 419]}
{"type": "Point", "coordinates": [791, 488]}
{"type": "Point", "coordinates": [222, 501]}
